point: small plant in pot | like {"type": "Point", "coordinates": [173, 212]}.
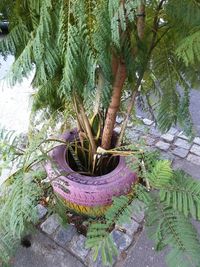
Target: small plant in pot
{"type": "Point", "coordinates": [94, 59]}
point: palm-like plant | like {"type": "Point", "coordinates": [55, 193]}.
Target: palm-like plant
{"type": "Point", "coordinates": [85, 54]}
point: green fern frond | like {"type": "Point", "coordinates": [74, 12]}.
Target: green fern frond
{"type": "Point", "coordinates": [183, 194]}
{"type": "Point", "coordinates": [131, 7]}
{"type": "Point", "coordinates": [102, 244]}
{"type": "Point", "coordinates": [8, 243]}
{"type": "Point", "coordinates": [189, 48]}
{"type": "Point", "coordinates": [184, 14]}
{"type": "Point", "coordinates": [120, 210]}
{"type": "Point", "coordinates": [168, 109]}
{"type": "Point", "coordinates": [10, 148]}
{"type": "Point", "coordinates": [102, 39]}
{"type": "Point", "coordinates": [161, 174]}
{"type": "Point", "coordinates": [168, 227]}
{"type": "Point", "coordinates": [64, 15]}
{"type": "Point", "coordinates": [18, 210]}
{"type": "Point", "coordinates": [16, 73]}
{"type": "Point", "coordinates": [21, 203]}
{"type": "Point", "coordinates": [18, 34]}
{"type": "Point", "coordinates": [99, 237]}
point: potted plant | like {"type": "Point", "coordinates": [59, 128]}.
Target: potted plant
{"type": "Point", "coordinates": [86, 56]}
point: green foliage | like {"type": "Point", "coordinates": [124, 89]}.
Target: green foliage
{"type": "Point", "coordinates": [167, 215]}
{"type": "Point", "coordinates": [19, 197]}
{"type": "Point", "coordinates": [20, 203]}
{"type": "Point", "coordinates": [183, 194]}
{"type": "Point", "coordinates": [22, 190]}
{"type": "Point", "coordinates": [101, 243]}
{"type": "Point", "coordinates": [8, 243]}
{"type": "Point", "coordinates": [161, 174]}
{"type": "Point", "coordinates": [168, 227]}
{"type": "Point", "coordinates": [70, 43]}
{"type": "Point", "coordinates": [189, 48]}
{"type": "Point", "coordinates": [59, 207]}
{"type": "Point", "coordinates": [99, 237]}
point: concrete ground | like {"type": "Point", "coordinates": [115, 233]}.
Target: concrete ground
{"type": "Point", "coordinates": [44, 253]}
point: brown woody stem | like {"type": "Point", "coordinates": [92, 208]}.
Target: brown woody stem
{"type": "Point", "coordinates": [141, 21]}
{"type": "Point", "coordinates": [118, 83]}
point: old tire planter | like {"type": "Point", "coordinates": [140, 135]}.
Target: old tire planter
{"type": "Point", "coordinates": [85, 194]}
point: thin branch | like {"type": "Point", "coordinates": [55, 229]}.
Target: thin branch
{"type": "Point", "coordinates": [132, 100]}
{"type": "Point", "coordinates": [159, 39]}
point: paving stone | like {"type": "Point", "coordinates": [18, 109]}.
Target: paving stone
{"type": "Point", "coordinates": [150, 141]}
{"type": "Point", "coordinates": [65, 234]}
{"type": "Point", "coordinates": [77, 246]}
{"type": "Point", "coordinates": [155, 132]}
{"type": "Point", "coordinates": [117, 129]}
{"type": "Point", "coordinates": [51, 224]}
{"type": "Point", "coordinates": [121, 240]}
{"type": "Point", "coordinates": [196, 140]}
{"type": "Point", "coordinates": [173, 131]}
{"type": "Point", "coordinates": [162, 145]}
{"type": "Point", "coordinates": [180, 152]}
{"type": "Point", "coordinates": [168, 137]}
{"type": "Point", "coordinates": [138, 211]}
{"type": "Point", "coordinates": [141, 128]}
{"type": "Point", "coordinates": [187, 166]}
{"type": "Point", "coordinates": [195, 149]}
{"type": "Point", "coordinates": [42, 211]}
{"type": "Point", "coordinates": [194, 159]}
{"type": "Point", "coordinates": [119, 119]}
{"type": "Point", "coordinates": [130, 228]}
{"type": "Point", "coordinates": [133, 135]}
{"type": "Point", "coordinates": [167, 156]}
{"type": "Point", "coordinates": [181, 135]}
{"type": "Point", "coordinates": [147, 122]}
{"type": "Point", "coordinates": [182, 143]}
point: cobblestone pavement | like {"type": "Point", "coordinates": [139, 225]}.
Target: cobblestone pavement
{"type": "Point", "coordinates": [173, 144]}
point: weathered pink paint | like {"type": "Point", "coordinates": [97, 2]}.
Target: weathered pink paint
{"type": "Point", "coordinates": [85, 190]}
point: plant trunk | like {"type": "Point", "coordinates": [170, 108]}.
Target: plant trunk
{"type": "Point", "coordinates": [119, 79]}
{"type": "Point", "coordinates": [141, 21]}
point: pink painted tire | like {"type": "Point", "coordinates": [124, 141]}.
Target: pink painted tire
{"type": "Point", "coordinates": [85, 190]}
